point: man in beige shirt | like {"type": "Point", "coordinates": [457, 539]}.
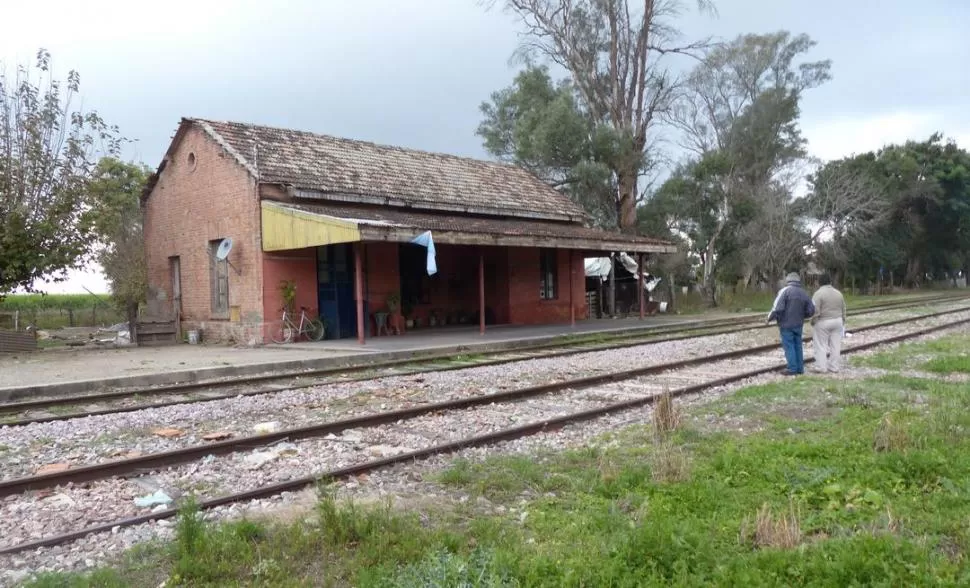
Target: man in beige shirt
{"type": "Point", "coordinates": [828, 326]}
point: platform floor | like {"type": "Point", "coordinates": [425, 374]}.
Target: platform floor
{"type": "Point", "coordinates": [69, 371]}
{"type": "Point", "coordinates": [460, 336]}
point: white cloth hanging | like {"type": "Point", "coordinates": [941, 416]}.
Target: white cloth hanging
{"type": "Point", "coordinates": [424, 240]}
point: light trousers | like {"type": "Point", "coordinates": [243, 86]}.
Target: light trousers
{"type": "Point", "coordinates": [827, 344]}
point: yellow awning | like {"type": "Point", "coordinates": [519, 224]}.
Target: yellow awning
{"type": "Point", "coordinates": [285, 227]}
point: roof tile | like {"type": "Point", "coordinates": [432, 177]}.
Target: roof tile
{"type": "Point", "coordinates": [309, 161]}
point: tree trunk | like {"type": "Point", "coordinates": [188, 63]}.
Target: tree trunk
{"type": "Point", "coordinates": [912, 272]}
{"type": "Point", "coordinates": [627, 196]}
{"type": "Point", "coordinates": [132, 311]}
{"type": "Point", "coordinates": [748, 273]}
{"type": "Point", "coordinates": [709, 290]}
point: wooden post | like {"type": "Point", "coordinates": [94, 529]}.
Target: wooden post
{"type": "Point", "coordinates": [481, 292]}
{"type": "Point", "coordinates": [359, 290]}
{"type": "Point", "coordinates": [612, 287]}
{"type": "Point", "coordinates": [572, 296]}
{"type": "Point", "coordinates": [640, 284]}
{"type": "Point", "coordinates": [599, 297]}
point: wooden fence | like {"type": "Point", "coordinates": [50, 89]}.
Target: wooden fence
{"type": "Point", "coordinates": [14, 341]}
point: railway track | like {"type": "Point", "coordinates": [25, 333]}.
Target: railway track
{"type": "Point", "coordinates": [24, 413]}
{"type": "Point", "coordinates": [613, 392]}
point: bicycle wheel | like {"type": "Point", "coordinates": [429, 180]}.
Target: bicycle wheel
{"type": "Point", "coordinates": [282, 332]}
{"type": "Point", "coordinates": [314, 329]}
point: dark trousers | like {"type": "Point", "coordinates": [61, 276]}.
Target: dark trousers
{"type": "Point", "coordinates": [791, 342]}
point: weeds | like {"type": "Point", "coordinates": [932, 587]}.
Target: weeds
{"type": "Point", "coordinates": [477, 570]}
{"type": "Point", "coordinates": [944, 422]}
{"type": "Point", "coordinates": [345, 524]}
{"type": "Point", "coordinates": [609, 469]}
{"type": "Point", "coordinates": [669, 464]}
{"type": "Point", "coordinates": [665, 417]}
{"type": "Point", "coordinates": [891, 435]}
{"type": "Point", "coordinates": [773, 530]}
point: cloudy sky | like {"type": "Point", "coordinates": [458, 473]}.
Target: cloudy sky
{"type": "Point", "coordinates": [413, 72]}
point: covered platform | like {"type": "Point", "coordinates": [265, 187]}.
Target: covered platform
{"type": "Point", "coordinates": [470, 339]}
{"type": "Point", "coordinates": [370, 270]}
{"type": "Point", "coordinates": [80, 371]}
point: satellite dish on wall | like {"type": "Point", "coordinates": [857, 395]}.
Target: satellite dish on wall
{"type": "Point", "coordinates": [222, 252]}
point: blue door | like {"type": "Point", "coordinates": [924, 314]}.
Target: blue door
{"type": "Point", "coordinates": [335, 279]}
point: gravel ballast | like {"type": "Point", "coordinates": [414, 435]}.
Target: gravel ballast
{"type": "Point", "coordinates": [70, 508]}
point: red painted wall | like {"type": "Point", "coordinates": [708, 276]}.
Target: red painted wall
{"type": "Point", "coordinates": [511, 283]}
{"type": "Point", "coordinates": [381, 268]}
{"type": "Point", "coordinates": [299, 265]}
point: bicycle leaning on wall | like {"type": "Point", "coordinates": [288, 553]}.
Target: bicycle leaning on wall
{"type": "Point", "coordinates": [286, 331]}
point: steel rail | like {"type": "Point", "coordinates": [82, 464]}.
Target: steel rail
{"type": "Point", "coordinates": [646, 331]}
{"type": "Point", "coordinates": [173, 457]}
{"type": "Point", "coordinates": [566, 349]}
{"type": "Point", "coordinates": [518, 432]}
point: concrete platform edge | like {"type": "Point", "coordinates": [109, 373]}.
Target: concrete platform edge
{"type": "Point", "coordinates": [77, 387]}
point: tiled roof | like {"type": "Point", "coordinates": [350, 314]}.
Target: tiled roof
{"type": "Point", "coordinates": [401, 177]}
{"type": "Point", "coordinates": [466, 224]}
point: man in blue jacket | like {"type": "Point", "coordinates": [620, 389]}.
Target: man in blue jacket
{"type": "Point", "coordinates": [792, 306]}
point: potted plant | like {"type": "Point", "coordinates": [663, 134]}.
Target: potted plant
{"type": "Point", "coordinates": [393, 302]}
{"type": "Point", "coordinates": [288, 294]}
{"type": "Point", "coordinates": [407, 308]}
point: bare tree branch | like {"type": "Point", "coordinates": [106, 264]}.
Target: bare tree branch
{"type": "Point", "coordinates": [615, 51]}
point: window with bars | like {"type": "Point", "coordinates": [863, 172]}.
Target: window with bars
{"type": "Point", "coordinates": [548, 274]}
{"type": "Point", "coordinates": [219, 281]}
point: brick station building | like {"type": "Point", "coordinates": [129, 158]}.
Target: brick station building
{"type": "Point", "coordinates": [336, 217]}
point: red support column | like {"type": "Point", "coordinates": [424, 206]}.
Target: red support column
{"type": "Point", "coordinates": [481, 292]}
{"type": "Point", "coordinates": [359, 288]}
{"type": "Point", "coordinates": [640, 283]}
{"type": "Point", "coordinates": [572, 290]}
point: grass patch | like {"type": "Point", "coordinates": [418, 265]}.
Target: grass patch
{"type": "Point", "coordinates": [946, 355]}
{"type": "Point", "coordinates": [949, 365]}
{"type": "Point", "coordinates": [761, 301]}
{"type": "Point", "coordinates": [830, 491]}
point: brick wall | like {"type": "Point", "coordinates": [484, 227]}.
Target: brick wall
{"type": "Point", "coordinates": [525, 304]}
{"type": "Point", "coordinates": [213, 197]}
{"type": "Point", "coordinates": [192, 205]}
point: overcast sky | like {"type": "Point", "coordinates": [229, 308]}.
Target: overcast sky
{"type": "Point", "coordinates": [413, 72]}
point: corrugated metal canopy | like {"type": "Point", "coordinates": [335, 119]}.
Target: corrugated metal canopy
{"type": "Point", "coordinates": [285, 227]}
{"type": "Point", "coordinates": [292, 226]}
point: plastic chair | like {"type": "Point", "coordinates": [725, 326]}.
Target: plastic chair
{"type": "Point", "coordinates": [380, 319]}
